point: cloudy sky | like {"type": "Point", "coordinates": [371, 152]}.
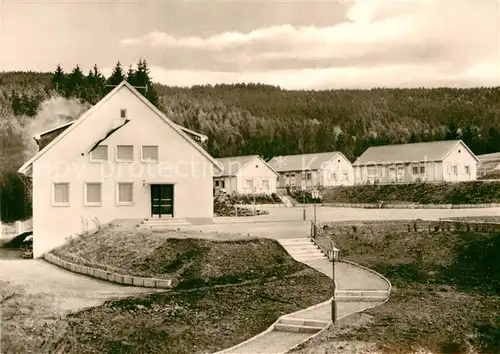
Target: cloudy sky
{"type": "Point", "coordinates": [303, 45]}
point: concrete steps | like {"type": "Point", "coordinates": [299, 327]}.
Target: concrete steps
{"type": "Point", "coordinates": [287, 200]}
{"type": "Point", "coordinates": [166, 223]}
{"type": "Point", "coordinates": [302, 249]}
{"type": "Point", "coordinates": [299, 325]}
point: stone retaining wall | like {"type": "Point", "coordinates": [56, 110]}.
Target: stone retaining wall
{"type": "Point", "coordinates": [409, 206]}
{"type": "Point", "coordinates": [389, 226]}
{"type": "Point", "coordinates": [109, 276]}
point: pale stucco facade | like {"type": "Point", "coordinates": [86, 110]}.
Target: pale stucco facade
{"type": "Point", "coordinates": [336, 172]}
{"type": "Point", "coordinates": [458, 165]}
{"type": "Point", "coordinates": [66, 160]}
{"type": "Point", "coordinates": [255, 176]}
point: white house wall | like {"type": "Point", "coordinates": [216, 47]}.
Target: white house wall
{"type": "Point", "coordinates": [257, 171]}
{"type": "Point", "coordinates": [333, 173]}
{"type": "Point", "coordinates": [180, 164]}
{"type": "Point", "coordinates": [435, 171]}
{"type": "Point", "coordinates": [460, 157]}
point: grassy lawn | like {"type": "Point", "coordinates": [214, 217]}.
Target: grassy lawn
{"type": "Point", "coordinates": [446, 295]}
{"type": "Point", "coordinates": [190, 262]}
{"type": "Point", "coordinates": [449, 193]}
{"type": "Point", "coordinates": [197, 321]}
{"type": "Point", "coordinates": [227, 292]}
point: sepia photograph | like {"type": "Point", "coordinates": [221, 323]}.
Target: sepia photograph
{"type": "Point", "coordinates": [250, 176]}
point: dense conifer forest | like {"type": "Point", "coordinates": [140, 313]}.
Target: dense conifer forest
{"type": "Point", "coordinates": [244, 119]}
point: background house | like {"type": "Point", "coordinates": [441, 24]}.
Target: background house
{"type": "Point", "coordinates": [246, 175]}
{"type": "Point", "coordinates": [122, 159]}
{"type": "Point", "coordinates": [438, 161]}
{"type": "Point", "coordinates": [489, 164]}
{"type": "Point", "coordinates": [324, 169]}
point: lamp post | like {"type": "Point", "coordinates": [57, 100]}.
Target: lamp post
{"type": "Point", "coordinates": [254, 189]}
{"type": "Point", "coordinates": [315, 195]}
{"type": "Point", "coordinates": [303, 187]}
{"type": "Point", "coordinates": [333, 254]}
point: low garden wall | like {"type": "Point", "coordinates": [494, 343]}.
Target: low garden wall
{"type": "Point", "coordinates": [388, 226]}
{"type": "Point", "coordinates": [408, 205]}
{"type": "Point", "coordinates": [109, 276]}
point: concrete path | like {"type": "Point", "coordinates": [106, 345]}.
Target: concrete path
{"type": "Point", "coordinates": [347, 276]}
{"type": "Point", "coordinates": [68, 291]}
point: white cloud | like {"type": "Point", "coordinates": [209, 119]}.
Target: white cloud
{"type": "Point", "coordinates": [461, 37]}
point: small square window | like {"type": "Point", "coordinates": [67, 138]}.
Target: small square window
{"type": "Point", "coordinates": [150, 153]}
{"type": "Point", "coordinates": [248, 183]}
{"type": "Point", "coordinates": [92, 194]}
{"type": "Point", "coordinates": [125, 153]}
{"type": "Point", "coordinates": [125, 193]}
{"type": "Point", "coordinates": [100, 153]}
{"type": "Point", "coordinates": [60, 194]}
{"type": "Point", "coordinates": [123, 113]}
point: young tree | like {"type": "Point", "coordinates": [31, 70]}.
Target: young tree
{"type": "Point", "coordinates": [131, 76]}
{"type": "Point", "coordinates": [116, 78]}
{"type": "Point", "coordinates": [58, 79]}
{"type": "Point", "coordinates": [75, 83]}
{"type": "Point", "coordinates": [142, 78]}
{"type": "Point", "coordinates": [95, 85]}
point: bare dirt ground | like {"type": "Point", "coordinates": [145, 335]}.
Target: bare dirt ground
{"type": "Point", "coordinates": [35, 296]}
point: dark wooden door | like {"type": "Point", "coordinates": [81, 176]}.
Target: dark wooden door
{"type": "Point", "coordinates": [162, 199]}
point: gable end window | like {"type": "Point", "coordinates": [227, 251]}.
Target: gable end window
{"type": "Point", "coordinates": [92, 194]}
{"type": "Point", "coordinates": [149, 153]}
{"type": "Point", "coordinates": [123, 113]}
{"type": "Point", "coordinates": [124, 153]}
{"type": "Point", "coordinates": [125, 193]}
{"type": "Point", "coordinates": [60, 194]}
{"type": "Point", "coordinates": [100, 153]}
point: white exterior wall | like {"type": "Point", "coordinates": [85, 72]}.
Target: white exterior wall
{"type": "Point", "coordinates": [459, 157]}
{"type": "Point", "coordinates": [257, 171]}
{"type": "Point", "coordinates": [230, 184]}
{"type": "Point", "coordinates": [333, 173]}
{"type": "Point", "coordinates": [436, 171]}
{"type": "Point", "coordinates": [193, 197]}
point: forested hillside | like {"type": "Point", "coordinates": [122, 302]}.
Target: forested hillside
{"type": "Point", "coordinates": [260, 119]}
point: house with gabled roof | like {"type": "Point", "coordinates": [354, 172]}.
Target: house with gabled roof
{"type": "Point", "coordinates": [121, 159]}
{"type": "Point", "coordinates": [436, 161]}
{"type": "Point", "coordinates": [44, 138]}
{"type": "Point", "coordinates": [325, 169]}
{"type": "Point", "coordinates": [246, 175]}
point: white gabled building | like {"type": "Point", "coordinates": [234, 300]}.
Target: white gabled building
{"type": "Point", "coordinates": [325, 169]}
{"type": "Point", "coordinates": [246, 175]}
{"type": "Point", "coordinates": [436, 161]}
{"type": "Point", "coordinates": [122, 159]}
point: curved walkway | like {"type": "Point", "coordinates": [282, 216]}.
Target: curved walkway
{"type": "Point", "coordinates": [67, 291]}
{"type": "Point", "coordinates": [348, 277]}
